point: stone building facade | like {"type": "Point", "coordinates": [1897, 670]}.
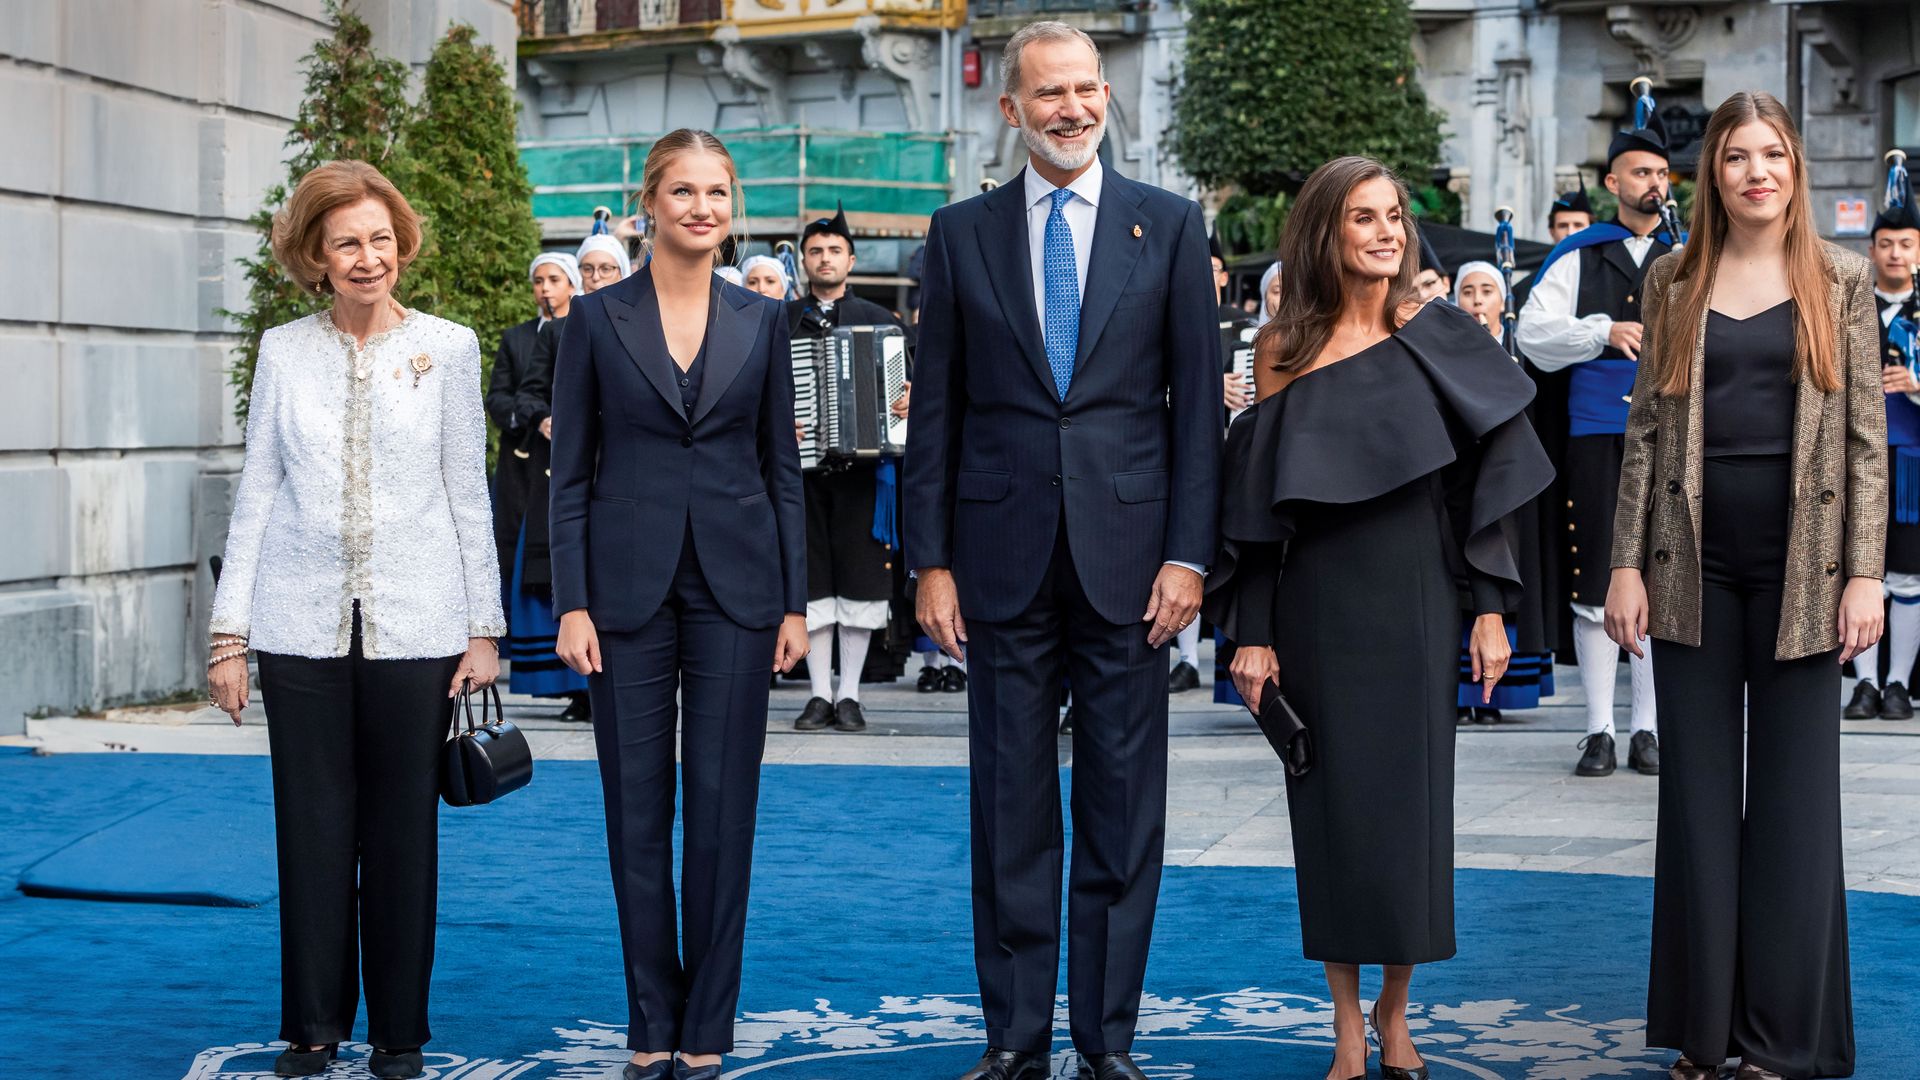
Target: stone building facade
{"type": "Point", "coordinates": [139, 135]}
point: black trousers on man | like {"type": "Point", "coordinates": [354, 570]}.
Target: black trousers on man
{"type": "Point", "coordinates": [1119, 814]}
{"type": "Point", "coordinates": [1749, 904]}
{"type": "Point", "coordinates": [355, 749]}
{"type": "Point", "coordinates": [683, 981]}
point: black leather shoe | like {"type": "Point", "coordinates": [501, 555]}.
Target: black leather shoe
{"type": "Point", "coordinates": [1391, 1072]}
{"type": "Point", "coordinates": [1866, 702]}
{"type": "Point", "coordinates": [1182, 678]}
{"type": "Point", "coordinates": [292, 1062]}
{"type": "Point", "coordinates": [847, 717]}
{"type": "Point", "coordinates": [997, 1064]}
{"type": "Point", "coordinates": [683, 1071]}
{"type": "Point", "coordinates": [1115, 1066]}
{"type": "Point", "coordinates": [1598, 758]}
{"type": "Point", "coordinates": [1066, 721]}
{"type": "Point", "coordinates": [930, 680]}
{"type": "Point", "coordinates": [579, 710]}
{"type": "Point", "coordinates": [1895, 704]}
{"type": "Point", "coordinates": [659, 1070]}
{"type": "Point", "coordinates": [1643, 753]}
{"type": "Point", "coordinates": [1755, 1072]}
{"type": "Point", "coordinates": [817, 715]}
{"type": "Point", "coordinates": [1687, 1070]}
{"type": "Point", "coordinates": [952, 679]}
{"type": "Point", "coordinates": [1462, 715]}
{"type": "Point", "coordinates": [396, 1064]}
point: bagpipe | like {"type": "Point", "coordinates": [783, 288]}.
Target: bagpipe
{"type": "Point", "coordinates": [1903, 331]}
{"type": "Point", "coordinates": [1503, 260]}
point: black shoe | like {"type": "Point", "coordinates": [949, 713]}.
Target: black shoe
{"type": "Point", "coordinates": [396, 1064]}
{"type": "Point", "coordinates": [1066, 721]}
{"type": "Point", "coordinates": [847, 717]}
{"type": "Point", "coordinates": [292, 1062]}
{"type": "Point", "coordinates": [1755, 1072]}
{"type": "Point", "coordinates": [1392, 1072]}
{"type": "Point", "coordinates": [1484, 715]}
{"type": "Point", "coordinates": [1866, 702]}
{"type": "Point", "coordinates": [659, 1070]}
{"type": "Point", "coordinates": [1895, 704]}
{"type": "Point", "coordinates": [1182, 678]}
{"type": "Point", "coordinates": [930, 680]}
{"type": "Point", "coordinates": [1599, 759]}
{"type": "Point", "coordinates": [817, 715]}
{"type": "Point", "coordinates": [998, 1064]}
{"type": "Point", "coordinates": [579, 710]}
{"type": "Point", "coordinates": [1643, 753]}
{"type": "Point", "coordinates": [684, 1071]}
{"type": "Point", "coordinates": [1462, 715]}
{"type": "Point", "coordinates": [1116, 1066]}
{"type": "Point", "coordinates": [1687, 1070]}
{"type": "Point", "coordinates": [952, 679]}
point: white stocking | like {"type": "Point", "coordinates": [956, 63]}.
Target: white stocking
{"type": "Point", "coordinates": [1599, 660]}
{"type": "Point", "coordinates": [853, 657]}
{"type": "Point", "coordinates": [820, 662]}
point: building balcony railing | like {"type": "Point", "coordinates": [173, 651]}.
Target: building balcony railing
{"type": "Point", "coordinates": [1029, 9]}
{"type": "Point", "coordinates": [572, 18]}
{"type": "Point", "coordinates": [564, 18]}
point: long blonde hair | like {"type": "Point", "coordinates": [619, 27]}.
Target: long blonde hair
{"type": "Point", "coordinates": [1809, 271]}
{"type": "Point", "coordinates": [661, 154]}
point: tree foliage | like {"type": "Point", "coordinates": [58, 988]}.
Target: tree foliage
{"type": "Point", "coordinates": [355, 106]}
{"type": "Point", "coordinates": [1271, 89]}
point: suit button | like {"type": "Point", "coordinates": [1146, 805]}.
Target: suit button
{"type": "Point", "coordinates": [1826, 497]}
{"type": "Point", "coordinates": [1576, 571]}
{"type": "Point", "coordinates": [1629, 298]}
{"type": "Point", "coordinates": [1660, 556]}
{"type": "Point", "coordinates": [1576, 549]}
{"type": "Point", "coordinates": [686, 440]}
{"type": "Point", "coordinates": [1066, 422]}
{"type": "Point", "coordinates": [1673, 487]}
{"type": "Point", "coordinates": [1833, 568]}
{"type": "Point", "coordinates": [1570, 527]}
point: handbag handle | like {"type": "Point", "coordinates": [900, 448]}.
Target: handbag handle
{"type": "Point", "coordinates": [492, 693]}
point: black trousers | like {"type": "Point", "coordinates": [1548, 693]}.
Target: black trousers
{"type": "Point", "coordinates": [1119, 814]}
{"type": "Point", "coordinates": [355, 748]}
{"type": "Point", "coordinates": [1749, 905]}
{"type": "Point", "coordinates": [720, 671]}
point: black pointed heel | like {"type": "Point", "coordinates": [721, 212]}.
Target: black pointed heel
{"type": "Point", "coordinates": [292, 1062]}
{"type": "Point", "coordinates": [396, 1064]}
{"type": "Point", "coordinates": [1392, 1072]}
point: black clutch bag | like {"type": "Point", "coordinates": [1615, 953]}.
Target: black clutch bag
{"type": "Point", "coordinates": [1285, 731]}
{"type": "Point", "coordinates": [487, 760]}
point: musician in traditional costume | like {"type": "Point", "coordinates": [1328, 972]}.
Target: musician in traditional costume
{"type": "Point", "coordinates": [1580, 330]}
{"type": "Point", "coordinates": [852, 532]}
{"type": "Point", "coordinates": [764, 274]}
{"type": "Point", "coordinates": [1433, 280]}
{"type": "Point", "coordinates": [1896, 275]}
{"type": "Point", "coordinates": [555, 279]}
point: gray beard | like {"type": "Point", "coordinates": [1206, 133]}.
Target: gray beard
{"type": "Point", "coordinates": [1039, 146]}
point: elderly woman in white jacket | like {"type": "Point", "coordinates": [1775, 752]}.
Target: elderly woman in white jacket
{"type": "Point", "coordinates": [360, 568]}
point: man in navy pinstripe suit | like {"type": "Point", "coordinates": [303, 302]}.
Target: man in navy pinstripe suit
{"type": "Point", "coordinates": [1061, 480]}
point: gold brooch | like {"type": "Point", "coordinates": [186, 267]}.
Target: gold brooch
{"type": "Point", "coordinates": [1136, 230]}
{"type": "Point", "coordinates": [422, 363]}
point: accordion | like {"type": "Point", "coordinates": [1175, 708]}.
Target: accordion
{"type": "Point", "coordinates": [1236, 351]}
{"type": "Point", "coordinates": [844, 384]}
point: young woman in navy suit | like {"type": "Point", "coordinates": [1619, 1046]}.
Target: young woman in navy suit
{"type": "Point", "coordinates": [678, 568]}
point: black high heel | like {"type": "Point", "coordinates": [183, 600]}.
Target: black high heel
{"type": "Point", "coordinates": [396, 1064]}
{"type": "Point", "coordinates": [1392, 1072]}
{"type": "Point", "coordinates": [292, 1062]}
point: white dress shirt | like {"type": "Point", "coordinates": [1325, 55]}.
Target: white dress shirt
{"type": "Point", "coordinates": [1548, 331]}
{"type": "Point", "coordinates": [365, 481]}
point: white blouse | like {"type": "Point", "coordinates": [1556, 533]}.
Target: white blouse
{"type": "Point", "coordinates": [365, 480]}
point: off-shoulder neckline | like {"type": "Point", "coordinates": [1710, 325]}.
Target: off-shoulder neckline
{"type": "Point", "coordinates": [1391, 335]}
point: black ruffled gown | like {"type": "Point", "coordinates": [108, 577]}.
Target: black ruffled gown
{"type": "Point", "coordinates": [1367, 506]}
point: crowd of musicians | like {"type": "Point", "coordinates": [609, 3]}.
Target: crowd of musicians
{"type": "Point", "coordinates": [1698, 448]}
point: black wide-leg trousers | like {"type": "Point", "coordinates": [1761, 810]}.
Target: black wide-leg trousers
{"type": "Point", "coordinates": [1119, 807]}
{"type": "Point", "coordinates": [355, 747]}
{"type": "Point", "coordinates": [1749, 907]}
{"type": "Point", "coordinates": [683, 981]}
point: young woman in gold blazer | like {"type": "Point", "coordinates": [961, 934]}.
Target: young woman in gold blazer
{"type": "Point", "coordinates": [1748, 543]}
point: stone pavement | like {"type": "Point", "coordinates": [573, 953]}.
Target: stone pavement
{"type": "Point", "coordinates": [1517, 805]}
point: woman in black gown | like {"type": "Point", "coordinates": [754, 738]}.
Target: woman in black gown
{"type": "Point", "coordinates": [1364, 510]}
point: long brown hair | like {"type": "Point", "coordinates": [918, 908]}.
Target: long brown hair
{"type": "Point", "coordinates": [1808, 269]}
{"type": "Point", "coordinates": [1313, 285]}
{"type": "Point", "coordinates": [670, 146]}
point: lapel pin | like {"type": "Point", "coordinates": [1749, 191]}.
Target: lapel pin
{"type": "Point", "coordinates": [1136, 231]}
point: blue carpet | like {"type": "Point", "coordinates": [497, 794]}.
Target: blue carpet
{"type": "Point", "coordinates": [858, 957]}
{"type": "Point", "coordinates": [141, 858]}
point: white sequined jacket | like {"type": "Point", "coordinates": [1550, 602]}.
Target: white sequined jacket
{"type": "Point", "coordinates": [365, 479]}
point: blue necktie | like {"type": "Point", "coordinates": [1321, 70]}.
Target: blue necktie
{"type": "Point", "coordinates": [1062, 324]}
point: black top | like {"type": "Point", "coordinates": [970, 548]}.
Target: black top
{"type": "Point", "coordinates": [1749, 401]}
{"type": "Point", "coordinates": [690, 379]}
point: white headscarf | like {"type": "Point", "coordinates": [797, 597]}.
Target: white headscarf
{"type": "Point", "coordinates": [568, 265]}
{"type": "Point", "coordinates": [730, 274]}
{"type": "Point", "coordinates": [1260, 315]}
{"type": "Point", "coordinates": [608, 244]}
{"type": "Point", "coordinates": [1478, 267]}
{"type": "Point", "coordinates": [779, 271]}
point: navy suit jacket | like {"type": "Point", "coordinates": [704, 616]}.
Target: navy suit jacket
{"type": "Point", "coordinates": [630, 471]}
{"type": "Point", "coordinates": [1128, 463]}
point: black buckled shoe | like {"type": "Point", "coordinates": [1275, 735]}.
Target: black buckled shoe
{"type": "Point", "coordinates": [1597, 757]}
{"type": "Point", "coordinates": [396, 1064]}
{"type": "Point", "coordinates": [1643, 753]}
{"type": "Point", "coordinates": [816, 716]}
{"type": "Point", "coordinates": [659, 1070]}
{"type": "Point", "coordinates": [1116, 1066]}
{"type": "Point", "coordinates": [930, 680]}
{"type": "Point", "coordinates": [292, 1062]}
{"type": "Point", "coordinates": [953, 679]}
{"type": "Point", "coordinates": [997, 1064]}
{"type": "Point", "coordinates": [1895, 704]}
{"type": "Point", "coordinates": [848, 717]}
{"type": "Point", "coordinates": [684, 1071]}
{"type": "Point", "coordinates": [1182, 678]}
{"type": "Point", "coordinates": [1866, 702]}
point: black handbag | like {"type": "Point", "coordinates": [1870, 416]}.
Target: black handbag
{"type": "Point", "coordinates": [1285, 731]}
{"type": "Point", "coordinates": [487, 760]}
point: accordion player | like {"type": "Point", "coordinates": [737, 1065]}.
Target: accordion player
{"type": "Point", "coordinates": [844, 384]}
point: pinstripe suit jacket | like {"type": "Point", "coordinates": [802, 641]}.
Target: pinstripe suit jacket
{"type": "Point", "coordinates": [1838, 519]}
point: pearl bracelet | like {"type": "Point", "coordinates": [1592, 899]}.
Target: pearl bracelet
{"type": "Point", "coordinates": [220, 658]}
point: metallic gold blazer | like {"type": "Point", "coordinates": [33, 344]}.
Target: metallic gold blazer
{"type": "Point", "coordinates": [1838, 526]}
